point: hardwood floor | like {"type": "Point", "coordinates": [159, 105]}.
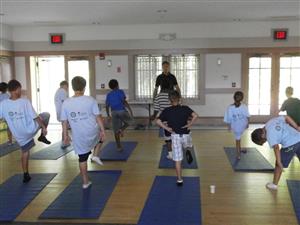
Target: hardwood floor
{"type": "Point", "coordinates": [240, 198]}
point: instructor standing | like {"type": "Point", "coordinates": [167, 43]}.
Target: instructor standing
{"type": "Point", "coordinates": [168, 77]}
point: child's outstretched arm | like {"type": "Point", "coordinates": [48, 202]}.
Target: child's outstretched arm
{"type": "Point", "coordinates": [164, 126]}
{"type": "Point", "coordinates": [102, 129]}
{"type": "Point", "coordinates": [292, 123]}
{"type": "Point", "coordinates": [128, 107]}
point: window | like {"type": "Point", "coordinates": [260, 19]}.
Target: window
{"type": "Point", "coordinates": [289, 76]}
{"type": "Point", "coordinates": [147, 67]}
{"type": "Point", "coordinates": [259, 99]}
{"type": "Point", "coordinates": [186, 70]}
{"type": "Point", "coordinates": [184, 67]}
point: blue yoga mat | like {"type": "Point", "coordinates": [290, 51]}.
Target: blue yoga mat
{"type": "Point", "coordinates": [15, 195]}
{"type": "Point", "coordinates": [168, 204]}
{"type": "Point", "coordinates": [52, 152]}
{"type": "Point", "coordinates": [6, 148]}
{"type": "Point", "coordinates": [252, 161]}
{"type": "Point", "coordinates": [165, 163]}
{"type": "Point", "coordinates": [77, 203]}
{"type": "Point", "coordinates": [110, 152]}
{"type": "Point", "coordinates": [294, 188]}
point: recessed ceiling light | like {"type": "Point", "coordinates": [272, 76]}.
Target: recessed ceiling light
{"type": "Point", "coordinates": [237, 20]}
{"type": "Point", "coordinates": [162, 11]}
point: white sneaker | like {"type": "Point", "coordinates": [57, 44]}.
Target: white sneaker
{"type": "Point", "coordinates": [170, 156]}
{"type": "Point", "coordinates": [272, 186]}
{"type": "Point", "coordinates": [97, 160]}
{"type": "Point", "coordinates": [86, 186]}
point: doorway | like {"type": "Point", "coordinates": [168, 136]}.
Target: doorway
{"type": "Point", "coordinates": [46, 74]}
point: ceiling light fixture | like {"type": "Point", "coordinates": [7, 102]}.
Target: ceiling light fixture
{"type": "Point", "coordinates": [162, 11]}
{"type": "Point", "coordinates": [167, 36]}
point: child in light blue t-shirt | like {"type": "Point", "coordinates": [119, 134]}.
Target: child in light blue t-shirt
{"type": "Point", "coordinates": [83, 115]}
{"type": "Point", "coordinates": [284, 131]}
{"type": "Point", "coordinates": [4, 95]}
{"type": "Point", "coordinates": [237, 118]}
{"type": "Point", "coordinates": [23, 122]}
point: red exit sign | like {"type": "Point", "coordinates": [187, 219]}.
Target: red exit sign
{"type": "Point", "coordinates": [56, 38]}
{"type": "Point", "coordinates": [280, 34]}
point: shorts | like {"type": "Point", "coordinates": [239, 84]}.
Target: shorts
{"type": "Point", "coordinates": [119, 119]}
{"type": "Point", "coordinates": [162, 133]}
{"type": "Point", "coordinates": [287, 154]}
{"type": "Point", "coordinates": [180, 142]}
{"type": "Point", "coordinates": [84, 157]}
{"type": "Point", "coordinates": [28, 146]}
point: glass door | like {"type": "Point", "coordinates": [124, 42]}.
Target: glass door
{"type": "Point", "coordinates": [46, 74]}
{"type": "Point", "coordinates": [79, 66]}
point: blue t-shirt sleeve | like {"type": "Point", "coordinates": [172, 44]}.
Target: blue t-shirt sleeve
{"type": "Point", "coordinates": [95, 108]}
{"type": "Point", "coordinates": [246, 111]}
{"type": "Point", "coordinates": [122, 93]}
{"type": "Point", "coordinates": [63, 114]}
{"type": "Point", "coordinates": [107, 100]}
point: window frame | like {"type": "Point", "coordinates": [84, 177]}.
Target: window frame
{"type": "Point", "coordinates": [200, 100]}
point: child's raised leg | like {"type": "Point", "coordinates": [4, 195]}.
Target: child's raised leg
{"type": "Point", "coordinates": [96, 154]}
{"type": "Point", "coordinates": [169, 148]}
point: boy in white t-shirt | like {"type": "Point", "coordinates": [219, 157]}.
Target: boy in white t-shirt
{"type": "Point", "coordinates": [284, 131]}
{"type": "Point", "coordinates": [60, 96]}
{"type": "Point", "coordinates": [83, 115]}
{"type": "Point", "coordinates": [237, 118]}
{"type": "Point", "coordinates": [23, 122]}
{"type": "Point", "coordinates": [4, 95]}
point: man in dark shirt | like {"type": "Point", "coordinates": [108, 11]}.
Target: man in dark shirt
{"type": "Point", "coordinates": [168, 77]}
{"type": "Point", "coordinates": [178, 120]}
{"type": "Point", "coordinates": [291, 105]}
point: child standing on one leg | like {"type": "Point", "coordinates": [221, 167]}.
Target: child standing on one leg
{"type": "Point", "coordinates": [4, 95]}
{"type": "Point", "coordinates": [23, 122]}
{"type": "Point", "coordinates": [284, 131]}
{"type": "Point", "coordinates": [83, 115]}
{"type": "Point", "coordinates": [121, 119]}
{"type": "Point", "coordinates": [237, 118]}
{"type": "Point", "coordinates": [60, 96]}
{"type": "Point", "coordinates": [178, 120]}
{"type": "Point", "coordinates": [160, 103]}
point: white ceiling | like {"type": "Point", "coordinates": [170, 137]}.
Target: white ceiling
{"type": "Point", "coordinates": [121, 12]}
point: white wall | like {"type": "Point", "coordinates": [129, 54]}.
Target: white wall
{"type": "Point", "coordinates": [139, 32]}
{"type": "Point", "coordinates": [104, 73]}
{"type": "Point", "coordinates": [221, 70]}
{"type": "Point", "coordinates": [20, 71]}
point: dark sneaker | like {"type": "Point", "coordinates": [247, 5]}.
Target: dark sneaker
{"type": "Point", "coordinates": [179, 182]}
{"type": "Point", "coordinates": [26, 178]}
{"type": "Point", "coordinates": [43, 139]}
{"type": "Point", "coordinates": [189, 156]}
